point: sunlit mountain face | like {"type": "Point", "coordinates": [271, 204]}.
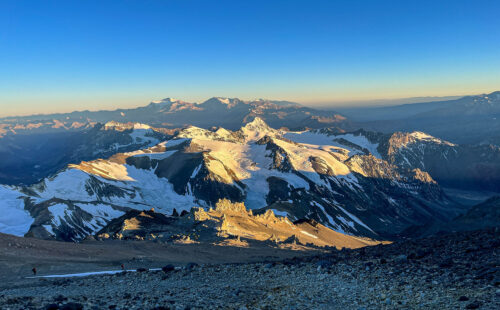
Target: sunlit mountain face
{"type": "Point", "coordinates": [356, 182]}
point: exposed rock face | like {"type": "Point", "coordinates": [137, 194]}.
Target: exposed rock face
{"type": "Point", "coordinates": [458, 166]}
{"type": "Point", "coordinates": [468, 167]}
{"type": "Point", "coordinates": [371, 167]}
{"type": "Point", "coordinates": [227, 224]}
{"type": "Point", "coordinates": [422, 176]}
{"type": "Point", "coordinates": [136, 225]}
{"type": "Point", "coordinates": [69, 220]}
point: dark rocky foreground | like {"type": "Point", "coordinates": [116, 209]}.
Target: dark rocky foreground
{"type": "Point", "coordinates": [455, 271]}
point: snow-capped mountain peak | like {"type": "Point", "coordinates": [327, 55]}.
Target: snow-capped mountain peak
{"type": "Point", "coordinates": [418, 135]}
{"type": "Point", "coordinates": [257, 123]}
{"type": "Point", "coordinates": [257, 129]}
{"type": "Point", "coordinates": [125, 126]}
{"type": "Point", "coordinates": [222, 101]}
{"type": "Point", "coordinates": [193, 132]}
{"type": "Point", "coordinates": [167, 100]}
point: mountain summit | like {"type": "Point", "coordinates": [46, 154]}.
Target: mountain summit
{"type": "Point", "coordinates": [257, 129]}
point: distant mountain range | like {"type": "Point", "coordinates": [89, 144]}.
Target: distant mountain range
{"type": "Point", "coordinates": [230, 113]}
{"type": "Point", "coordinates": [61, 139]}
{"type": "Point", "coordinates": [467, 120]}
{"type": "Point", "coordinates": [480, 216]}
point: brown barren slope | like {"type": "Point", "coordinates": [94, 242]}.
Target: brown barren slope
{"type": "Point", "coordinates": [19, 255]}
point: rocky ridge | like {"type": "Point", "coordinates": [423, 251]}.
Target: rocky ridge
{"type": "Point", "coordinates": [228, 224]}
{"type": "Point", "coordinates": [461, 166]}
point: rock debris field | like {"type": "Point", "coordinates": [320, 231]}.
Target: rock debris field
{"type": "Point", "coordinates": [455, 271]}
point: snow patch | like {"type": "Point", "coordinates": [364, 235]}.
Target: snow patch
{"type": "Point", "coordinates": [14, 220]}
{"type": "Point", "coordinates": [59, 212]}
{"type": "Point", "coordinates": [92, 273]}
{"type": "Point", "coordinates": [426, 137]}
{"type": "Point", "coordinates": [354, 218]}
{"type": "Point", "coordinates": [308, 234]}
{"type": "Point", "coordinates": [280, 213]}
{"type": "Point", "coordinates": [362, 142]}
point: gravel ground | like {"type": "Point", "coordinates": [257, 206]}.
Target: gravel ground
{"type": "Point", "coordinates": [457, 271]}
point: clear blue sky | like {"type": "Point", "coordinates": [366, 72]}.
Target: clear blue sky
{"type": "Point", "coordinates": [66, 55]}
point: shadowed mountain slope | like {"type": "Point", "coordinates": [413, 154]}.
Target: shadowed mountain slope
{"type": "Point", "coordinates": [467, 120]}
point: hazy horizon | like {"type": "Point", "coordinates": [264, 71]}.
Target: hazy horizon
{"type": "Point", "coordinates": [320, 105]}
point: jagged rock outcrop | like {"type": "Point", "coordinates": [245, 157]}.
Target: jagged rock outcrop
{"type": "Point", "coordinates": [227, 224]}
{"type": "Point", "coordinates": [136, 225]}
